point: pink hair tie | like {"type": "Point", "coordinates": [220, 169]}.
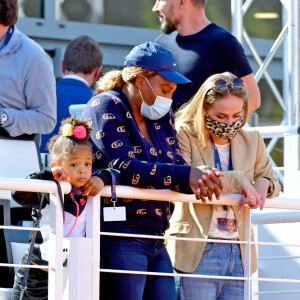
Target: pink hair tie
{"type": "Point", "coordinates": [79, 132]}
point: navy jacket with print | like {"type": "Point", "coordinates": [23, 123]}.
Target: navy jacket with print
{"type": "Point", "coordinates": [118, 143]}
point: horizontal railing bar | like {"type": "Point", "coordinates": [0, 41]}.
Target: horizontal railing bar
{"type": "Point", "coordinates": [276, 217]}
{"type": "Point", "coordinates": [277, 131]}
{"type": "Point", "coordinates": [277, 292]}
{"type": "Point", "coordinates": [276, 280]}
{"type": "Point", "coordinates": [170, 274]}
{"type": "Point", "coordinates": [197, 276]}
{"type": "Point", "coordinates": [32, 185]}
{"type": "Point", "coordinates": [196, 239]}
{"type": "Point", "coordinates": [46, 186]}
{"type": "Point", "coordinates": [278, 257]}
{"type": "Point", "coordinates": [279, 168]}
{"type": "Point", "coordinates": [159, 237]}
{"type": "Point", "coordinates": [168, 195]}
{"type": "Point", "coordinates": [25, 228]}
{"type": "Point", "coordinates": [25, 266]}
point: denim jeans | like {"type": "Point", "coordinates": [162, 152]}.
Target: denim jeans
{"type": "Point", "coordinates": [219, 260]}
{"type": "Point", "coordinates": [135, 254]}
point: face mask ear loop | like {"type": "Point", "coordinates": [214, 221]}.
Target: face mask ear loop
{"type": "Point", "coordinates": [150, 86]}
{"type": "Point", "coordinates": [141, 95]}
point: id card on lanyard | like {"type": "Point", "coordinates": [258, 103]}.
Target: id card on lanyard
{"type": "Point", "coordinates": [115, 213]}
{"type": "Point", "coordinates": [7, 37]}
{"type": "Point", "coordinates": [224, 224]}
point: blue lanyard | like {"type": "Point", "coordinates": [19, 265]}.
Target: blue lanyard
{"type": "Point", "coordinates": [217, 158]}
{"type": "Point", "coordinates": [7, 37]}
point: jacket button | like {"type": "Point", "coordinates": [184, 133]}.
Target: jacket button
{"type": "Point", "coordinates": [159, 152]}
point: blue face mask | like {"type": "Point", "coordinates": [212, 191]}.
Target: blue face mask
{"type": "Point", "coordinates": [158, 109]}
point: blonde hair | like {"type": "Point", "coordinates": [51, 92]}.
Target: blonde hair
{"type": "Point", "coordinates": [190, 117]}
{"type": "Point", "coordinates": [120, 78]}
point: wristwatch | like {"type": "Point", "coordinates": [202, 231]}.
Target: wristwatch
{"type": "Point", "coordinates": [3, 117]}
{"type": "Point", "coordinates": [271, 187]}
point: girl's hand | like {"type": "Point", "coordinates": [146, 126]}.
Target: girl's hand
{"type": "Point", "coordinates": [93, 187]}
{"type": "Point", "coordinates": [59, 174]}
{"type": "Point", "coordinates": [261, 186]}
{"type": "Point", "coordinates": [250, 196]}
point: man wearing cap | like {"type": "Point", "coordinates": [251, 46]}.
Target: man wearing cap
{"type": "Point", "coordinates": [134, 132]}
{"type": "Point", "coordinates": [201, 48]}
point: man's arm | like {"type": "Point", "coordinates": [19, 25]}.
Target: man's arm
{"type": "Point", "coordinates": [39, 114]}
{"type": "Point", "coordinates": [253, 92]}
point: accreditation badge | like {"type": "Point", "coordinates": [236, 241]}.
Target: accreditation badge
{"type": "Point", "coordinates": [116, 213]}
{"type": "Point", "coordinates": [228, 225]}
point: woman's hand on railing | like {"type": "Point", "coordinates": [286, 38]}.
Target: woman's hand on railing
{"type": "Point", "coordinates": [250, 196]}
{"type": "Point", "coordinates": [261, 186]}
{"type": "Point", "coordinates": [204, 182]}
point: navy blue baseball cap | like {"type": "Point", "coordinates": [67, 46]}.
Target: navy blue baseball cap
{"type": "Point", "coordinates": [152, 56]}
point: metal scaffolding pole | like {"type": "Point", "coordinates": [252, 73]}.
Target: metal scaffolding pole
{"type": "Point", "coordinates": [289, 37]}
{"type": "Point", "coordinates": [291, 88]}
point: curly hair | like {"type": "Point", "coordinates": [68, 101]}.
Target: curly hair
{"type": "Point", "coordinates": [190, 116]}
{"type": "Point", "coordinates": [60, 146]}
{"type": "Point", "coordinates": [120, 78]}
{"type": "Point", "coordinates": [8, 12]}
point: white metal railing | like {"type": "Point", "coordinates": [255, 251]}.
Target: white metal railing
{"type": "Point", "coordinates": [56, 258]}
{"type": "Point", "coordinates": [56, 224]}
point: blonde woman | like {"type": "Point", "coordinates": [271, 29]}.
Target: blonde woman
{"type": "Point", "coordinates": [210, 133]}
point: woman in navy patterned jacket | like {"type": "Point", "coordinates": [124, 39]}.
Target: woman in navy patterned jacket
{"type": "Point", "coordinates": [134, 132]}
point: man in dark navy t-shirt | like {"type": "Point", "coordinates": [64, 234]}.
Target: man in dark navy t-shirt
{"type": "Point", "coordinates": [201, 48]}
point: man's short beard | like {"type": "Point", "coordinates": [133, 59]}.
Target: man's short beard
{"type": "Point", "coordinates": [167, 28]}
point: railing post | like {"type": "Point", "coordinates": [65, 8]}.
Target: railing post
{"type": "Point", "coordinates": [247, 254]}
{"type": "Point", "coordinates": [93, 231]}
{"type": "Point", "coordinates": [255, 283]}
{"type": "Point", "coordinates": [55, 289]}
{"type": "Point", "coordinates": [237, 19]}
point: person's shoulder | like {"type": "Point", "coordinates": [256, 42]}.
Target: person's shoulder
{"type": "Point", "coordinates": [72, 90]}
{"type": "Point", "coordinates": [65, 82]}
{"type": "Point", "coordinates": [165, 39]}
{"type": "Point", "coordinates": [219, 33]}
{"type": "Point", "coordinates": [111, 101]}
{"type": "Point", "coordinates": [217, 30]}
{"type": "Point", "coordinates": [249, 134]}
{"type": "Point", "coordinates": [185, 133]}
{"type": "Point", "coordinates": [108, 97]}
{"type": "Point", "coordinates": [29, 49]}
{"type": "Point", "coordinates": [29, 44]}
{"type": "Point", "coordinates": [41, 175]}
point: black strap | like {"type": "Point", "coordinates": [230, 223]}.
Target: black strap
{"type": "Point", "coordinates": [60, 194]}
{"type": "Point", "coordinates": [33, 238]}
{"type": "Point", "coordinates": [30, 253]}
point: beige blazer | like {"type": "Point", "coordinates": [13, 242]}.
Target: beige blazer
{"type": "Point", "coordinates": [249, 158]}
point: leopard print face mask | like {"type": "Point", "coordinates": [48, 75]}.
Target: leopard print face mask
{"type": "Point", "coordinates": [221, 129]}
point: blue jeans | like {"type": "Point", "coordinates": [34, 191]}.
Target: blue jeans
{"type": "Point", "coordinates": [135, 254]}
{"type": "Point", "coordinates": [219, 260]}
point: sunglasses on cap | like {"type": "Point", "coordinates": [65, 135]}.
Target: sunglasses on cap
{"type": "Point", "coordinates": [221, 86]}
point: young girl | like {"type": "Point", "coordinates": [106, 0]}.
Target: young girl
{"type": "Point", "coordinates": [209, 133]}
{"type": "Point", "coordinates": [72, 157]}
